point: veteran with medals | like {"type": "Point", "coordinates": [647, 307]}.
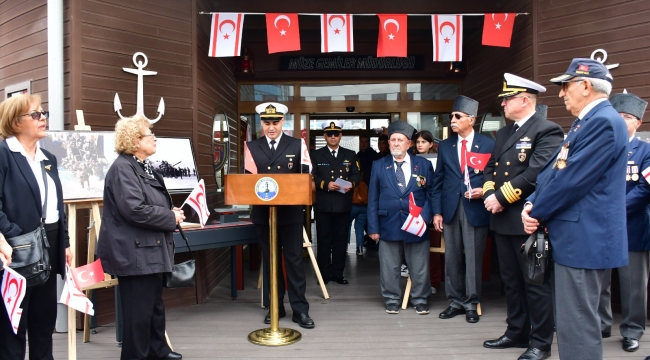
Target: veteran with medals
{"type": "Point", "coordinates": [275, 153]}
{"type": "Point", "coordinates": [633, 278]}
{"type": "Point", "coordinates": [336, 173]}
{"type": "Point", "coordinates": [522, 148]}
{"type": "Point", "coordinates": [580, 201]}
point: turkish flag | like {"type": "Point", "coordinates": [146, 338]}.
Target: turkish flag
{"type": "Point", "coordinates": [249, 162]}
{"type": "Point", "coordinates": [392, 36]}
{"type": "Point", "coordinates": [225, 34]}
{"type": "Point", "coordinates": [198, 202]}
{"type": "Point", "coordinates": [282, 32]}
{"type": "Point", "coordinates": [305, 159]}
{"type": "Point", "coordinates": [414, 209]}
{"type": "Point", "coordinates": [477, 160]}
{"type": "Point", "coordinates": [497, 29]}
{"type": "Point", "coordinates": [13, 291]}
{"type": "Point", "coordinates": [73, 297]}
{"type": "Point", "coordinates": [88, 275]}
{"type": "Point", "coordinates": [336, 33]}
{"type": "Point", "coordinates": [447, 37]}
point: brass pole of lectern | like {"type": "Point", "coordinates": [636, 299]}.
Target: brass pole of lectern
{"type": "Point", "coordinates": [275, 335]}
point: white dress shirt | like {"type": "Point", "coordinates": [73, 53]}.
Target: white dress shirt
{"type": "Point", "coordinates": [336, 151]}
{"type": "Point", "coordinates": [468, 145]}
{"type": "Point", "coordinates": [277, 141]}
{"type": "Point", "coordinates": [590, 106]}
{"type": "Point", "coordinates": [52, 202]}
{"type": "Point", "coordinates": [406, 168]}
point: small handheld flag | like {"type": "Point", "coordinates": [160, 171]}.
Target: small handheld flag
{"type": "Point", "coordinates": [198, 202]}
{"type": "Point", "coordinates": [414, 223]}
{"type": "Point", "coordinates": [13, 292]}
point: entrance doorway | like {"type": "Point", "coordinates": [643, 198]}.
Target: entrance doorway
{"type": "Point", "coordinates": [354, 125]}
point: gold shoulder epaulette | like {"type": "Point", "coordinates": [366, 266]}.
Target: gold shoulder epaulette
{"type": "Point", "coordinates": [511, 194]}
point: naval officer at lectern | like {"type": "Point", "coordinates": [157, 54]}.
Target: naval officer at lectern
{"type": "Point", "coordinates": [275, 153]}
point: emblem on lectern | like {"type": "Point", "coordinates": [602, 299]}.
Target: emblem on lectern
{"type": "Point", "coordinates": [266, 189]}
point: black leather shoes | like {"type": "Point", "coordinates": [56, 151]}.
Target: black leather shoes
{"type": "Point", "coordinates": [606, 334]}
{"type": "Point", "coordinates": [340, 280]}
{"type": "Point", "coordinates": [535, 354]}
{"type": "Point", "coordinates": [281, 314]}
{"type": "Point", "coordinates": [303, 320]}
{"type": "Point", "coordinates": [471, 316]}
{"type": "Point", "coordinates": [173, 356]}
{"type": "Point", "coordinates": [503, 342]}
{"type": "Point", "coordinates": [451, 312]}
{"type": "Point", "coordinates": [630, 345]}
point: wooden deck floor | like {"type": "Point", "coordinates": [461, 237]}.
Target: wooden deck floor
{"type": "Point", "coordinates": [352, 324]}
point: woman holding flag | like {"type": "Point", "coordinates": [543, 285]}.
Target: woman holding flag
{"type": "Point", "coordinates": [136, 239]}
{"type": "Point", "coordinates": [30, 192]}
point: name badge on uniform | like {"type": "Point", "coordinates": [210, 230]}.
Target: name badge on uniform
{"type": "Point", "coordinates": [290, 156]}
{"type": "Point", "coordinates": [562, 157]}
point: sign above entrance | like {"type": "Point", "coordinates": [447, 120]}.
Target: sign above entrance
{"type": "Point", "coordinates": [337, 63]}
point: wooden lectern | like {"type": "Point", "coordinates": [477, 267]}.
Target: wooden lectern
{"type": "Point", "coordinates": [271, 190]}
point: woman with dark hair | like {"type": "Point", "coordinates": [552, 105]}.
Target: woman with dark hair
{"type": "Point", "coordinates": [424, 143]}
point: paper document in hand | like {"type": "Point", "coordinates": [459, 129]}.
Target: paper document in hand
{"type": "Point", "coordinates": [415, 225]}
{"type": "Point", "coordinates": [342, 184]}
{"type": "Point", "coordinates": [73, 297]}
{"type": "Point", "coordinates": [13, 292]}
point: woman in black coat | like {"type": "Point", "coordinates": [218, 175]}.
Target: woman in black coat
{"type": "Point", "coordinates": [135, 239]}
{"type": "Point", "coordinates": [22, 196]}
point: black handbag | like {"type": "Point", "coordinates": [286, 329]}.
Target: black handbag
{"type": "Point", "coordinates": [31, 257]}
{"type": "Point", "coordinates": [537, 257]}
{"type": "Point", "coordinates": [183, 274]}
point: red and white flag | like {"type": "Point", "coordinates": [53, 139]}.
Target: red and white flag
{"type": "Point", "coordinates": [477, 160]}
{"type": "Point", "coordinates": [392, 36]}
{"type": "Point", "coordinates": [13, 292]}
{"type": "Point", "coordinates": [336, 33]}
{"type": "Point", "coordinates": [282, 32]}
{"type": "Point", "coordinates": [199, 203]}
{"type": "Point", "coordinates": [73, 297]}
{"type": "Point", "coordinates": [414, 223]}
{"type": "Point", "coordinates": [225, 34]}
{"type": "Point", "coordinates": [249, 162]}
{"type": "Point", "coordinates": [89, 274]}
{"type": "Point", "coordinates": [497, 29]}
{"type": "Point", "coordinates": [305, 159]}
{"type": "Point", "coordinates": [447, 37]}
{"type": "Point", "coordinates": [646, 174]}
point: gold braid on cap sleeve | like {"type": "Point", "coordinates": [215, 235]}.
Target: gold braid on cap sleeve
{"type": "Point", "coordinates": [511, 194]}
{"type": "Point", "coordinates": [489, 185]}
{"type": "Point", "coordinates": [322, 184]}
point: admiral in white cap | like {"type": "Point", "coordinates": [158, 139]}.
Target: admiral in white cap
{"type": "Point", "coordinates": [513, 85]}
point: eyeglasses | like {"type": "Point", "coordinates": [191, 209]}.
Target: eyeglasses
{"type": "Point", "coordinates": [332, 133]}
{"type": "Point", "coordinates": [152, 135]}
{"type": "Point", "coordinates": [565, 84]}
{"type": "Point", "coordinates": [36, 115]}
{"type": "Point", "coordinates": [457, 116]}
{"type": "Point", "coordinates": [506, 99]}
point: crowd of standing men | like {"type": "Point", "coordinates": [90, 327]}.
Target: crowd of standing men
{"type": "Point", "coordinates": [585, 190]}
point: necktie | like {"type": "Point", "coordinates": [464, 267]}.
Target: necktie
{"type": "Point", "coordinates": [514, 129]}
{"type": "Point", "coordinates": [401, 182]}
{"type": "Point", "coordinates": [334, 154]}
{"type": "Point", "coordinates": [573, 125]}
{"type": "Point", "coordinates": [272, 147]}
{"type": "Point", "coordinates": [463, 155]}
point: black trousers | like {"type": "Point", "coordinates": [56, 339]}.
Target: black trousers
{"type": "Point", "coordinates": [332, 242]}
{"type": "Point", "coordinates": [38, 318]}
{"type": "Point", "coordinates": [530, 307]}
{"type": "Point", "coordinates": [290, 244]}
{"type": "Point", "coordinates": [143, 314]}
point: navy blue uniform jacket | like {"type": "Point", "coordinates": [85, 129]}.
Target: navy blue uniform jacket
{"type": "Point", "coordinates": [448, 184]}
{"type": "Point", "coordinates": [637, 199]}
{"type": "Point", "coordinates": [20, 199]}
{"type": "Point", "coordinates": [583, 205]}
{"type": "Point", "coordinates": [388, 208]}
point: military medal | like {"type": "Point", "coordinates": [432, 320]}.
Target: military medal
{"type": "Point", "coordinates": [562, 157]}
{"type": "Point", "coordinates": [290, 164]}
{"type": "Point", "coordinates": [522, 156]}
{"type": "Point", "coordinates": [476, 171]}
{"type": "Point", "coordinates": [347, 165]}
{"type": "Point", "coordinates": [635, 173]}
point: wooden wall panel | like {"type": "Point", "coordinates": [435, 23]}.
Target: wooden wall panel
{"type": "Point", "coordinates": [618, 26]}
{"type": "Point", "coordinates": [23, 45]}
{"type": "Point", "coordinates": [486, 64]}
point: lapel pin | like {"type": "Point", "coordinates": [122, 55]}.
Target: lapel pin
{"type": "Point", "coordinates": [476, 146]}
{"type": "Point", "coordinates": [48, 167]}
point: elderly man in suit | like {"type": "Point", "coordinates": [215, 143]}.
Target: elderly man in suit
{"type": "Point", "coordinates": [580, 200]}
{"type": "Point", "coordinates": [394, 179]}
{"type": "Point", "coordinates": [633, 278]}
{"type": "Point", "coordinates": [275, 153]}
{"type": "Point", "coordinates": [457, 204]}
{"type": "Point", "coordinates": [522, 148]}
{"type": "Point", "coordinates": [333, 201]}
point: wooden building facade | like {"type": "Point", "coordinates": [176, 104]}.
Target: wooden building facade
{"type": "Point", "coordinates": [100, 38]}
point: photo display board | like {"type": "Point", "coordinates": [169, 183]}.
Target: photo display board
{"type": "Point", "coordinates": [84, 159]}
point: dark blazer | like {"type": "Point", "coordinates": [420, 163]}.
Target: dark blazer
{"type": "Point", "coordinates": [326, 169]}
{"type": "Point", "coordinates": [637, 198]}
{"type": "Point", "coordinates": [137, 223]}
{"type": "Point", "coordinates": [388, 208]}
{"type": "Point", "coordinates": [511, 173]}
{"type": "Point", "coordinates": [286, 160]}
{"type": "Point", "coordinates": [448, 184]}
{"type": "Point", "coordinates": [583, 204]}
{"type": "Point", "coordinates": [20, 203]}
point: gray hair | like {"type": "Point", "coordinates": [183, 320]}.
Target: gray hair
{"type": "Point", "coordinates": [600, 85]}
